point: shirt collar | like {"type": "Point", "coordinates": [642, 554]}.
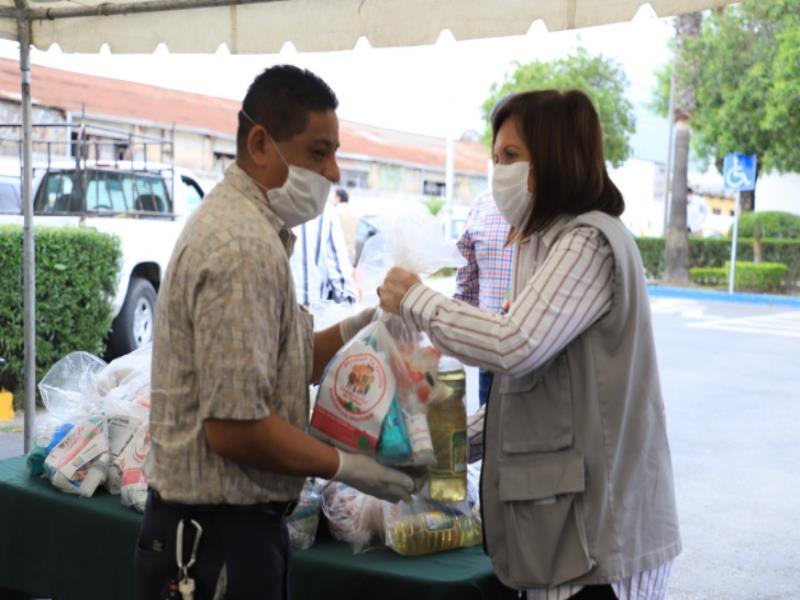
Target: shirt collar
{"type": "Point", "coordinates": [549, 234]}
{"type": "Point", "coordinates": [238, 179]}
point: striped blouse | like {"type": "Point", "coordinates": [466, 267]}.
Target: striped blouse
{"type": "Point", "coordinates": [559, 288]}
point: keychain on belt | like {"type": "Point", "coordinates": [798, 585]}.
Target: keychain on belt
{"type": "Point", "coordinates": [183, 586]}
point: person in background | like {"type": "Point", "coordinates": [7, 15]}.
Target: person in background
{"type": "Point", "coordinates": [483, 281]}
{"type": "Point", "coordinates": [349, 220]}
{"type": "Point", "coordinates": [578, 496]}
{"type": "Point", "coordinates": [321, 266]}
{"type": "Point", "coordinates": [233, 356]}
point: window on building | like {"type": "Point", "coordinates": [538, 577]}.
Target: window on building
{"type": "Point", "coordinates": [433, 188]}
{"type": "Point", "coordinates": [732, 213]}
{"type": "Point", "coordinates": [355, 179]}
{"type": "Point", "coordinates": [716, 211]}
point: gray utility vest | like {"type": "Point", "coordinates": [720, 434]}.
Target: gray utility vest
{"type": "Point", "coordinates": [577, 479]}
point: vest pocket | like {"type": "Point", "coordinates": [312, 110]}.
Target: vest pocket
{"type": "Point", "coordinates": [536, 410]}
{"type": "Point", "coordinates": [543, 519]}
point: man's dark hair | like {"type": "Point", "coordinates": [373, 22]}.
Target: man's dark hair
{"type": "Point", "coordinates": [342, 195]}
{"type": "Point", "coordinates": [280, 99]}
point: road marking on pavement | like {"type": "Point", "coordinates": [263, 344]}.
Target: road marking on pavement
{"type": "Point", "coordinates": [785, 324]}
{"type": "Point", "coordinates": [686, 308]}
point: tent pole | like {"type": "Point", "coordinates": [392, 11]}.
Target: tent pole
{"type": "Point", "coordinates": [29, 257]}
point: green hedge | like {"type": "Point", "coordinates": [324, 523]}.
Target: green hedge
{"type": "Point", "coordinates": [76, 273]}
{"type": "Point", "coordinates": [715, 253]}
{"type": "Point", "coordinates": [761, 277]}
{"type": "Point", "coordinates": [773, 224]}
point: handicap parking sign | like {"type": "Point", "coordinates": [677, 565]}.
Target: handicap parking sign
{"type": "Point", "coordinates": [739, 172]}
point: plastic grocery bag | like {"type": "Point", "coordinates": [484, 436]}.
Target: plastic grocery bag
{"type": "Point", "coordinates": [357, 392]}
{"type": "Point", "coordinates": [353, 517]}
{"type": "Point", "coordinates": [304, 520]}
{"type": "Point", "coordinates": [125, 380]}
{"type": "Point", "coordinates": [49, 432]}
{"type": "Point", "coordinates": [416, 530]}
{"type": "Point", "coordinates": [78, 464]}
{"type": "Point", "coordinates": [424, 526]}
{"type": "Point", "coordinates": [68, 389]}
{"type": "Point", "coordinates": [414, 241]}
{"type": "Point", "coordinates": [124, 390]}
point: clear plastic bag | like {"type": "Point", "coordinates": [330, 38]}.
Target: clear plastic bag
{"type": "Point", "coordinates": [68, 389]}
{"type": "Point", "coordinates": [304, 520]}
{"type": "Point", "coordinates": [357, 392]}
{"type": "Point", "coordinates": [353, 517]}
{"type": "Point", "coordinates": [414, 241]}
{"type": "Point", "coordinates": [130, 464]}
{"type": "Point", "coordinates": [79, 463]}
{"type": "Point", "coordinates": [125, 381]}
{"type": "Point", "coordinates": [124, 391]}
{"type": "Point", "coordinates": [49, 432]}
{"type": "Point", "coordinates": [424, 526]}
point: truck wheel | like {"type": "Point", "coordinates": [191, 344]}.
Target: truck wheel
{"type": "Point", "coordinates": [133, 326]}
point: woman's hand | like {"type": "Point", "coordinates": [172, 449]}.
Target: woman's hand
{"type": "Point", "coordinates": [394, 288]}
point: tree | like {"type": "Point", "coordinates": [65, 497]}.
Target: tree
{"type": "Point", "coordinates": [683, 86]}
{"type": "Point", "coordinates": [748, 92]}
{"type": "Point", "coordinates": [602, 79]}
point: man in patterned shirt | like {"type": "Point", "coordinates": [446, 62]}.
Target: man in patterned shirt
{"type": "Point", "coordinates": [233, 355]}
{"type": "Point", "coordinates": [484, 280]}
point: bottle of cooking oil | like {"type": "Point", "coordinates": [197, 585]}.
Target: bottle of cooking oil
{"type": "Point", "coordinates": [447, 419]}
{"type": "Point", "coordinates": [434, 531]}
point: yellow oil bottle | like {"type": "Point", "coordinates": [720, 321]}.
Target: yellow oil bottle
{"type": "Point", "coordinates": [447, 419]}
{"type": "Point", "coordinates": [435, 531]}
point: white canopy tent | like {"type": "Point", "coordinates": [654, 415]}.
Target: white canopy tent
{"type": "Point", "coordinates": [264, 26]}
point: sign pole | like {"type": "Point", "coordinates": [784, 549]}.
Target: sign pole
{"type": "Point", "coordinates": [732, 274]}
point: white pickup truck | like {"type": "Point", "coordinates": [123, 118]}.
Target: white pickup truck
{"type": "Point", "coordinates": [145, 208]}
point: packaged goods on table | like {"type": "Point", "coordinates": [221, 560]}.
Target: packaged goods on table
{"type": "Point", "coordinates": [79, 462]}
{"type": "Point", "coordinates": [304, 520]}
{"type": "Point", "coordinates": [130, 465]}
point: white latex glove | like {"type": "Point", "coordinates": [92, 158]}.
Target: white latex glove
{"type": "Point", "coordinates": [352, 325]}
{"type": "Point", "coordinates": [369, 476]}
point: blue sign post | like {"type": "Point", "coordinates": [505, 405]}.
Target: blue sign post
{"type": "Point", "coordinates": [739, 173]}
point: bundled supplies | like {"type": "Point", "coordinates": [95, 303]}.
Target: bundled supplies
{"type": "Point", "coordinates": [414, 528]}
{"type": "Point", "coordinates": [304, 520]}
{"type": "Point", "coordinates": [96, 430]}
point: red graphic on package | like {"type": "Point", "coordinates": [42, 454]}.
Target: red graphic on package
{"type": "Point", "coordinates": [354, 398]}
{"type": "Point", "coordinates": [361, 374]}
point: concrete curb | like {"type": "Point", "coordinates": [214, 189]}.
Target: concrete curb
{"type": "Point", "coordinates": [658, 291]}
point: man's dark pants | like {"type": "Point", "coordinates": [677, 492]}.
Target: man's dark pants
{"type": "Point", "coordinates": [252, 542]}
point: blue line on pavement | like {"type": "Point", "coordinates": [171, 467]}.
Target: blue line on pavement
{"type": "Point", "coordinates": [737, 297]}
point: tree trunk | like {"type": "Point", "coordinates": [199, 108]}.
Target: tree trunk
{"type": "Point", "coordinates": [677, 256]}
{"type": "Point", "coordinates": [676, 271]}
{"type": "Point", "coordinates": [758, 255]}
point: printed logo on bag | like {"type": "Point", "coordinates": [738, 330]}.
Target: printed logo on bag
{"type": "Point", "coordinates": [361, 385]}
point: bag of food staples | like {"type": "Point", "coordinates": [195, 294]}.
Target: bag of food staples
{"type": "Point", "coordinates": [358, 392]}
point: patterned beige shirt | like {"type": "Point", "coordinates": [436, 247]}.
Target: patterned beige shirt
{"type": "Point", "coordinates": [230, 342]}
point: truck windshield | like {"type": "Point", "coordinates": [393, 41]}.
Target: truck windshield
{"type": "Point", "coordinates": [72, 191]}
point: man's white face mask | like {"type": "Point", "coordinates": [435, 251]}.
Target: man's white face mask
{"type": "Point", "coordinates": [303, 195]}
{"type": "Point", "coordinates": [510, 192]}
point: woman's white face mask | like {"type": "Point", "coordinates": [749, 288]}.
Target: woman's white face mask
{"type": "Point", "coordinates": [302, 196]}
{"type": "Point", "coordinates": [510, 192]}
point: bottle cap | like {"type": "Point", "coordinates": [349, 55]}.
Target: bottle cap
{"type": "Point", "coordinates": [448, 364]}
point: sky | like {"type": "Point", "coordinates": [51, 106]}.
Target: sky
{"type": "Point", "coordinates": [435, 90]}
